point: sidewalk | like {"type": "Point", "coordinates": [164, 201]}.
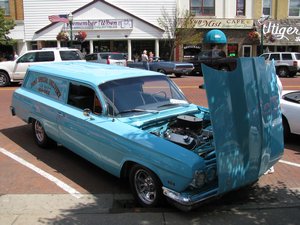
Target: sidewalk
{"type": "Point", "coordinates": [262, 207]}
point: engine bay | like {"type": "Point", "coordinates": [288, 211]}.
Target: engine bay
{"type": "Point", "coordinates": [189, 131]}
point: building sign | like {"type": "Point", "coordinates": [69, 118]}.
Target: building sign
{"type": "Point", "coordinates": [101, 24]}
{"type": "Point", "coordinates": [283, 31]}
{"type": "Point", "coordinates": [222, 23]}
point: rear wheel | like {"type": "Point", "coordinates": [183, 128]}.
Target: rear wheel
{"type": "Point", "coordinates": [286, 128]}
{"type": "Point", "coordinates": [282, 71]}
{"type": "Point", "coordinates": [40, 135]}
{"type": "Point", "coordinates": [4, 79]}
{"type": "Point", "coordinates": [145, 185]}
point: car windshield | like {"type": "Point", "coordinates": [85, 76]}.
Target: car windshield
{"type": "Point", "coordinates": [147, 94]}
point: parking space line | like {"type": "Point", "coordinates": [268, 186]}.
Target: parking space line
{"type": "Point", "coordinates": [289, 163]}
{"type": "Point", "coordinates": [41, 172]}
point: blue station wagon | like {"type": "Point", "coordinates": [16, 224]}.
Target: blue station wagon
{"type": "Point", "coordinates": [138, 124]}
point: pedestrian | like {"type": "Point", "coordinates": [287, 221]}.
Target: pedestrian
{"type": "Point", "coordinates": [145, 60]}
{"type": "Point", "coordinates": [151, 56]}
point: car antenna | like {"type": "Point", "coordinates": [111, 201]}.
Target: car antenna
{"type": "Point", "coordinates": [113, 108]}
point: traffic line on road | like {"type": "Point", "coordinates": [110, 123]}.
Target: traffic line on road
{"type": "Point", "coordinates": [41, 172]}
{"type": "Point", "coordinates": [289, 163]}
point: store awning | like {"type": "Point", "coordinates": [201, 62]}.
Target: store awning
{"type": "Point", "coordinates": [215, 37]}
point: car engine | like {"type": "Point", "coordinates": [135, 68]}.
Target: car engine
{"type": "Point", "coordinates": [188, 131]}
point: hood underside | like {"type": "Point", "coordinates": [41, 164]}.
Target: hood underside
{"type": "Point", "coordinates": [246, 120]}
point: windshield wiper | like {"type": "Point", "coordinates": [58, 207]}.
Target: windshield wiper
{"type": "Point", "coordinates": [137, 110]}
{"type": "Point", "coordinates": [172, 104]}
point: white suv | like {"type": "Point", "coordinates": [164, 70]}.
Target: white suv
{"type": "Point", "coordinates": [14, 71]}
{"type": "Point", "coordinates": [286, 63]}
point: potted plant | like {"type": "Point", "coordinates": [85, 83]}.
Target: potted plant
{"type": "Point", "coordinates": [62, 36]}
{"type": "Point", "coordinates": [254, 36]}
{"type": "Point", "coordinates": [80, 36]}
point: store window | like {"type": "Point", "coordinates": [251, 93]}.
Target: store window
{"type": "Point", "coordinates": [294, 8]}
{"type": "Point", "coordinates": [4, 4]}
{"type": "Point", "coordinates": [232, 50]}
{"type": "Point", "coordinates": [240, 7]}
{"type": "Point", "coordinates": [267, 7]}
{"type": "Point", "coordinates": [202, 7]}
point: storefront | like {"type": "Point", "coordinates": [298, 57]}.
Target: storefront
{"type": "Point", "coordinates": [281, 35]}
{"type": "Point", "coordinates": [106, 27]}
{"type": "Point", "coordinates": [232, 33]}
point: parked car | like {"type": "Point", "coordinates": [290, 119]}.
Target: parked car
{"type": "Point", "coordinates": [113, 58]}
{"type": "Point", "coordinates": [137, 124]}
{"type": "Point", "coordinates": [287, 63]}
{"type": "Point", "coordinates": [165, 67]}
{"type": "Point", "coordinates": [213, 58]}
{"type": "Point", "coordinates": [290, 108]}
{"type": "Point", "coordinates": [14, 71]}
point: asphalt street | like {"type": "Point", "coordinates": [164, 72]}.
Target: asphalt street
{"type": "Point", "coordinates": [57, 187]}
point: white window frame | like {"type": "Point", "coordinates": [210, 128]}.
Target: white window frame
{"type": "Point", "coordinates": [270, 14]}
{"type": "Point", "coordinates": [289, 10]}
{"type": "Point", "coordinates": [5, 5]}
{"type": "Point", "coordinates": [247, 46]}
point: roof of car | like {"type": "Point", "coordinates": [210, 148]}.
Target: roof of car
{"type": "Point", "coordinates": [88, 72]}
{"type": "Point", "coordinates": [53, 49]}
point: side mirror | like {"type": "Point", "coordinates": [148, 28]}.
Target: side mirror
{"type": "Point", "coordinates": [87, 113]}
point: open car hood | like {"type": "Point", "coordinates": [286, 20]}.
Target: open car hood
{"type": "Point", "coordinates": [246, 120]}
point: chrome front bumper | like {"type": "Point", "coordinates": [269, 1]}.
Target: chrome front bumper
{"type": "Point", "coordinates": [187, 202]}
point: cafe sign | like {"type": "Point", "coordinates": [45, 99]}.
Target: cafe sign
{"type": "Point", "coordinates": [101, 24]}
{"type": "Point", "coordinates": [206, 23]}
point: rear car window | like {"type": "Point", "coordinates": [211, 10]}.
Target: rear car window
{"type": "Point", "coordinates": [275, 56]}
{"type": "Point", "coordinates": [117, 56]}
{"type": "Point", "coordinates": [70, 55]}
{"type": "Point", "coordinates": [46, 56]}
{"type": "Point", "coordinates": [287, 57]}
{"type": "Point", "coordinates": [297, 56]}
{"type": "Point", "coordinates": [91, 57]}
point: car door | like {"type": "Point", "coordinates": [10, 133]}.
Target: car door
{"type": "Point", "coordinates": [86, 133]}
{"type": "Point", "coordinates": [29, 59]}
{"type": "Point", "coordinates": [22, 64]}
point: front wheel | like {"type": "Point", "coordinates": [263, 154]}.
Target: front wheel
{"type": "Point", "coordinates": [4, 79]}
{"type": "Point", "coordinates": [146, 186]}
{"type": "Point", "coordinates": [40, 135]}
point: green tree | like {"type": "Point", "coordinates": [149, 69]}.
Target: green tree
{"type": "Point", "coordinates": [179, 28]}
{"type": "Point", "coordinates": [5, 26]}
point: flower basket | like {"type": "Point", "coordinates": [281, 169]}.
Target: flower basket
{"type": "Point", "coordinates": [62, 36]}
{"type": "Point", "coordinates": [254, 36]}
{"type": "Point", "coordinates": [270, 37]}
{"type": "Point", "coordinates": [80, 36]}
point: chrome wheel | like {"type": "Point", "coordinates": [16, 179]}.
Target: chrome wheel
{"type": "Point", "coordinates": [40, 135]}
{"type": "Point", "coordinates": [145, 186]}
{"type": "Point", "coordinates": [4, 79]}
{"type": "Point", "coordinates": [39, 131]}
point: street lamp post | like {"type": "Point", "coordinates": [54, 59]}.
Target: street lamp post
{"type": "Point", "coordinates": [70, 18]}
{"type": "Point", "coordinates": [261, 22]}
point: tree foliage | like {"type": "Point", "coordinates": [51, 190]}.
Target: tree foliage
{"type": "Point", "coordinates": [5, 26]}
{"type": "Point", "coordinates": [179, 28]}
